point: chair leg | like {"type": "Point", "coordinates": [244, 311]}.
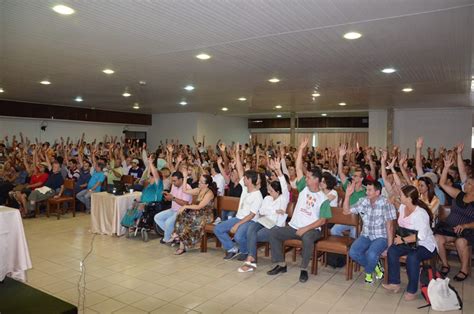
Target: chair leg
{"type": "Point", "coordinates": [73, 207]}
{"type": "Point", "coordinates": [469, 263]}
{"type": "Point", "coordinates": [48, 208]}
{"type": "Point", "coordinates": [385, 266]}
{"type": "Point", "coordinates": [204, 243]}
{"type": "Point", "coordinates": [59, 209]}
{"type": "Point", "coordinates": [294, 254]}
{"type": "Point", "coordinates": [315, 263]}
{"type": "Point", "coordinates": [267, 249]}
{"type": "Point", "coordinates": [348, 267]}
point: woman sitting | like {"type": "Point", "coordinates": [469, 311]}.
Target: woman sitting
{"type": "Point", "coordinates": [271, 214]}
{"type": "Point", "coordinates": [192, 219]}
{"type": "Point", "coordinates": [459, 225]}
{"type": "Point", "coordinates": [416, 241]}
{"type": "Point", "coordinates": [426, 188]}
{"type": "Point", "coordinates": [328, 183]}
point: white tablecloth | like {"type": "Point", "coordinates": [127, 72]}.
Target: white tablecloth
{"type": "Point", "coordinates": [107, 211]}
{"type": "Point", "coordinates": [14, 253]}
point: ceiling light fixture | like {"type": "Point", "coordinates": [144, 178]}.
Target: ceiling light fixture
{"type": "Point", "coordinates": [189, 88]}
{"type": "Point", "coordinates": [45, 82]}
{"type": "Point", "coordinates": [389, 70]}
{"type": "Point", "coordinates": [352, 35]}
{"type": "Point", "coordinates": [183, 103]}
{"type": "Point", "coordinates": [78, 99]}
{"type": "Point", "coordinates": [342, 104]}
{"type": "Point", "coordinates": [278, 115]}
{"type": "Point", "coordinates": [278, 107]}
{"type": "Point", "coordinates": [274, 80]}
{"type": "Point", "coordinates": [2, 90]}
{"type": "Point", "coordinates": [108, 71]}
{"type": "Point", "coordinates": [407, 89]}
{"type": "Point", "coordinates": [224, 109]}
{"type": "Point", "coordinates": [315, 94]}
{"type": "Point", "coordinates": [242, 99]}
{"type": "Point", "coordinates": [136, 106]}
{"type": "Point", "coordinates": [203, 56]}
{"type": "Point", "coordinates": [126, 94]}
{"type": "Point", "coordinates": [324, 114]}
{"type": "Point", "coordinates": [62, 9]}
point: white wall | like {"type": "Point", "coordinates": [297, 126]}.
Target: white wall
{"type": "Point", "coordinates": [228, 129]}
{"type": "Point", "coordinates": [438, 127]}
{"type": "Point", "coordinates": [57, 128]}
{"type": "Point", "coordinates": [180, 126]}
{"type": "Point", "coordinates": [378, 128]}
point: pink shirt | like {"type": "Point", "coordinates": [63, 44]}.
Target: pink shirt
{"type": "Point", "coordinates": [178, 193]}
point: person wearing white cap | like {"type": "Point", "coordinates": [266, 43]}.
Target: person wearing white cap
{"type": "Point", "coordinates": [135, 171]}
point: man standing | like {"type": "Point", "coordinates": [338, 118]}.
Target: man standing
{"type": "Point", "coordinates": [377, 228]}
{"type": "Point", "coordinates": [167, 218]}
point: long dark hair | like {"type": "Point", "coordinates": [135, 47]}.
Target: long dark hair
{"type": "Point", "coordinates": [276, 186]}
{"type": "Point", "coordinates": [430, 185]}
{"type": "Point", "coordinates": [210, 184]}
{"type": "Point", "coordinates": [412, 192]}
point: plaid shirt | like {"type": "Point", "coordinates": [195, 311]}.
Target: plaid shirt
{"type": "Point", "coordinates": [374, 217]}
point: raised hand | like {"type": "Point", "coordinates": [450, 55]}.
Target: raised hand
{"type": "Point", "coordinates": [419, 143]}
{"type": "Point", "coordinates": [219, 160]}
{"type": "Point", "coordinates": [383, 158]}
{"type": "Point", "coordinates": [342, 150]}
{"type": "Point", "coordinates": [448, 161]}
{"type": "Point", "coordinates": [170, 148]}
{"type": "Point", "coordinates": [350, 189]}
{"type": "Point", "coordinates": [460, 148]}
{"type": "Point", "coordinates": [304, 143]}
{"type": "Point", "coordinates": [222, 147]}
{"type": "Point", "coordinates": [391, 165]}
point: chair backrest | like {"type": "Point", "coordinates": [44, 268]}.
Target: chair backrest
{"type": "Point", "coordinates": [69, 184]}
{"type": "Point", "coordinates": [126, 179]}
{"type": "Point", "coordinates": [338, 217]}
{"type": "Point", "coordinates": [340, 195]}
{"type": "Point", "coordinates": [227, 203]}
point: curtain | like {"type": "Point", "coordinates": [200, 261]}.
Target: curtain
{"type": "Point", "coordinates": [335, 139]}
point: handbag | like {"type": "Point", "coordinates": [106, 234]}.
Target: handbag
{"type": "Point", "coordinates": [405, 232]}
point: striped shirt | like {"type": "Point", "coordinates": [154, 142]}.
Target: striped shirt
{"type": "Point", "coordinates": [461, 213]}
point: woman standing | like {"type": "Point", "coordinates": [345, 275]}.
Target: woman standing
{"type": "Point", "coordinates": [415, 217]}
{"type": "Point", "coordinates": [192, 219]}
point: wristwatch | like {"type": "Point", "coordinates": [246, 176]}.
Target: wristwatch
{"type": "Point", "coordinates": [173, 199]}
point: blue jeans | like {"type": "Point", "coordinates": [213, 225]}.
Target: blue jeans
{"type": "Point", "coordinates": [222, 229]}
{"type": "Point", "coordinates": [256, 233]}
{"type": "Point", "coordinates": [367, 252]}
{"type": "Point", "coordinates": [227, 213]}
{"type": "Point", "coordinates": [165, 220]}
{"type": "Point", "coordinates": [414, 258]}
{"type": "Point", "coordinates": [84, 197]}
{"type": "Point", "coordinates": [338, 230]}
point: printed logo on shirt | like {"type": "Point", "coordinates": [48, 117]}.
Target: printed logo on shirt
{"type": "Point", "coordinates": [310, 202]}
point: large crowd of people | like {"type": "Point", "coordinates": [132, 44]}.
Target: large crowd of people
{"type": "Point", "coordinates": [398, 196]}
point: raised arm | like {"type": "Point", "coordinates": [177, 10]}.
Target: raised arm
{"type": "Point", "coordinates": [345, 205]}
{"type": "Point", "coordinates": [391, 166]}
{"type": "Point", "coordinates": [222, 170]}
{"type": "Point", "coordinates": [299, 159]}
{"type": "Point", "coordinates": [340, 162]}
{"type": "Point", "coordinates": [403, 169]}
{"type": "Point", "coordinates": [238, 163]}
{"type": "Point", "coordinates": [371, 164]}
{"type": "Point", "coordinates": [453, 192]}
{"type": "Point", "coordinates": [383, 163]}
{"type": "Point", "coordinates": [153, 170]}
{"type": "Point", "coordinates": [419, 165]}
{"type": "Point", "coordinates": [460, 162]}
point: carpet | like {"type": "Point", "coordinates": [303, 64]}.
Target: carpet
{"type": "Point", "coordinates": [17, 297]}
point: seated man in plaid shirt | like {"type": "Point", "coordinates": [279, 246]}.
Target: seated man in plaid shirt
{"type": "Point", "coordinates": [377, 228]}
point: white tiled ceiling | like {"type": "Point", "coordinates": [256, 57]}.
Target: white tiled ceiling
{"type": "Point", "coordinates": [429, 42]}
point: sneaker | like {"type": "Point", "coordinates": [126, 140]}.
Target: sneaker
{"type": "Point", "coordinates": [218, 220]}
{"type": "Point", "coordinates": [303, 276]}
{"type": "Point", "coordinates": [368, 278]}
{"type": "Point", "coordinates": [242, 257]}
{"type": "Point", "coordinates": [229, 255]}
{"type": "Point", "coordinates": [379, 271]}
{"type": "Point", "coordinates": [276, 270]}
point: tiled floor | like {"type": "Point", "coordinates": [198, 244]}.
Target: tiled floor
{"type": "Point", "coordinates": [130, 276]}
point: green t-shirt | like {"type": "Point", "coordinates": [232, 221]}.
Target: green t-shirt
{"type": "Point", "coordinates": [356, 196]}
{"type": "Point", "coordinates": [325, 210]}
{"type": "Point", "coordinates": [301, 184]}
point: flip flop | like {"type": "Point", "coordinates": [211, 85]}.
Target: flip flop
{"type": "Point", "coordinates": [457, 278]}
{"type": "Point", "coordinates": [444, 272]}
{"type": "Point", "coordinates": [250, 267]}
{"type": "Point", "coordinates": [180, 252]}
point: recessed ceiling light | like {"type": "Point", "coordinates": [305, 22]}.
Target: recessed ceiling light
{"type": "Point", "coordinates": [62, 9]}
{"type": "Point", "coordinates": [407, 89]}
{"type": "Point", "coordinates": [136, 106]}
{"type": "Point", "coordinates": [126, 94]}
{"type": "Point", "coordinates": [78, 99]}
{"type": "Point", "coordinates": [45, 82]}
{"type": "Point", "coordinates": [315, 94]}
{"type": "Point", "coordinates": [278, 115]}
{"type": "Point", "coordinates": [108, 71]}
{"type": "Point", "coordinates": [224, 109]}
{"type": "Point", "coordinates": [342, 104]}
{"type": "Point", "coordinates": [352, 35]}
{"type": "Point", "coordinates": [189, 88]}
{"type": "Point", "coordinates": [242, 99]}
{"type": "Point", "coordinates": [1, 90]}
{"type": "Point", "coordinates": [278, 107]}
{"type": "Point", "coordinates": [274, 80]}
{"type": "Point", "coordinates": [389, 70]}
{"type": "Point", "coordinates": [183, 103]}
{"type": "Point", "coordinates": [203, 56]}
{"type": "Point", "coordinates": [324, 114]}
{"type": "Point", "coordinates": [257, 121]}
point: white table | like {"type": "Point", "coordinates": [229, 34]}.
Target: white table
{"type": "Point", "coordinates": [14, 254]}
{"type": "Point", "coordinates": [107, 211]}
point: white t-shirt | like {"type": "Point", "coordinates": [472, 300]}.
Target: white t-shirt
{"type": "Point", "coordinates": [334, 201]}
{"type": "Point", "coordinates": [220, 182]}
{"type": "Point", "coordinates": [420, 221]}
{"type": "Point", "coordinates": [249, 202]}
{"type": "Point", "coordinates": [269, 208]}
{"type": "Point", "coordinates": [307, 209]}
{"type": "Point", "coordinates": [284, 190]}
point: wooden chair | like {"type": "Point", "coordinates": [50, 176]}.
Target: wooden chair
{"type": "Point", "coordinates": [340, 195]}
{"type": "Point", "coordinates": [223, 203]}
{"type": "Point", "coordinates": [58, 203]}
{"type": "Point", "coordinates": [126, 179]}
{"type": "Point", "coordinates": [337, 244]}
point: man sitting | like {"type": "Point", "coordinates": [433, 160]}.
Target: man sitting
{"type": "Point", "coordinates": [377, 232]}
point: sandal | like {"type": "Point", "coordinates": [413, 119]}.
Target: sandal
{"type": "Point", "coordinates": [180, 251]}
{"type": "Point", "coordinates": [249, 267]}
{"type": "Point", "coordinates": [444, 271]}
{"type": "Point", "coordinates": [457, 278]}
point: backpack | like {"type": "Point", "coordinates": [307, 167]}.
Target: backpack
{"type": "Point", "coordinates": [443, 296]}
{"type": "Point", "coordinates": [335, 260]}
{"type": "Point", "coordinates": [429, 275]}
